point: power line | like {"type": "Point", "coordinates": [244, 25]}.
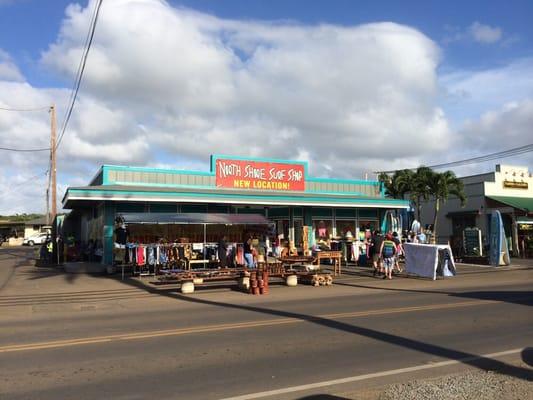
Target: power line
{"type": "Point", "coordinates": [16, 149]}
{"type": "Point", "coordinates": [24, 109]}
{"type": "Point", "coordinates": [79, 74]}
{"type": "Point", "coordinates": [13, 188]}
{"type": "Point", "coordinates": [487, 157]}
{"type": "Point", "coordinates": [24, 150]}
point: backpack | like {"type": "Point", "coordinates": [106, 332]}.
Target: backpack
{"type": "Point", "coordinates": [389, 248]}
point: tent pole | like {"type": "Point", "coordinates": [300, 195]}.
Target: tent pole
{"type": "Point", "coordinates": [205, 228]}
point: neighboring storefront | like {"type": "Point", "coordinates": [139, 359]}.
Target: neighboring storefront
{"type": "Point", "coordinates": [299, 207]}
{"type": "Point", "coordinates": [509, 189]}
{"type": "Point", "coordinates": [36, 226]}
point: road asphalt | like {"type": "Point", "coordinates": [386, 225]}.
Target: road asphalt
{"type": "Point", "coordinates": [74, 336]}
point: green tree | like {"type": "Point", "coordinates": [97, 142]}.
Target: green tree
{"type": "Point", "coordinates": [420, 188]}
{"type": "Point", "coordinates": [441, 186]}
{"type": "Point", "coordinates": [397, 185]}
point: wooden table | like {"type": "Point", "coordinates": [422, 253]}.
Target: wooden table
{"type": "Point", "coordinates": [297, 260]}
{"type": "Point", "coordinates": [189, 266]}
{"type": "Point", "coordinates": [336, 256]}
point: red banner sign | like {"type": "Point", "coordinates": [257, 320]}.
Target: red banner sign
{"type": "Point", "coordinates": [242, 174]}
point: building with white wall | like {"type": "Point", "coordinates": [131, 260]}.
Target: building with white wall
{"type": "Point", "coordinates": [508, 189]}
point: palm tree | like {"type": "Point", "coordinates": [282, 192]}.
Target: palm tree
{"type": "Point", "coordinates": [397, 185]}
{"type": "Point", "coordinates": [420, 188]}
{"type": "Point", "coordinates": [441, 186]}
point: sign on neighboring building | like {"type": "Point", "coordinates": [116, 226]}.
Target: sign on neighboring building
{"type": "Point", "coordinates": [259, 175]}
{"type": "Point", "coordinates": [515, 184]}
{"type": "Point", "coordinates": [472, 242]}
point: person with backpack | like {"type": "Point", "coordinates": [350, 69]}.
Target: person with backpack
{"type": "Point", "coordinates": [387, 252]}
{"type": "Point", "coordinates": [399, 251]}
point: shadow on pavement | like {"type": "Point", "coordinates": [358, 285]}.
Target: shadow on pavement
{"type": "Point", "coordinates": [470, 359]}
{"type": "Point", "coordinates": [527, 356]}
{"type": "Point", "coordinates": [322, 397]}
{"type": "Point", "coordinates": [19, 257]}
{"type": "Point", "coordinates": [524, 298]}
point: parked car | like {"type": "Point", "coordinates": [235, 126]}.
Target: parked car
{"type": "Point", "coordinates": [39, 238]}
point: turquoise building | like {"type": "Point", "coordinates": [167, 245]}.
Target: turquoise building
{"type": "Point", "coordinates": [280, 190]}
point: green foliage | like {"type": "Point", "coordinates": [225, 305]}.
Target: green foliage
{"type": "Point", "coordinates": [397, 185]}
{"type": "Point", "coordinates": [422, 185]}
{"type": "Point", "coordinates": [20, 217]}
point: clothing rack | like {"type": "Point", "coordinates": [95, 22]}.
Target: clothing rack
{"type": "Point", "coordinates": [153, 258]}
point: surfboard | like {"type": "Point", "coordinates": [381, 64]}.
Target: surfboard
{"type": "Point", "coordinates": [499, 251]}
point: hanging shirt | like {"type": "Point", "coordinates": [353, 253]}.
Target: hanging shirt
{"type": "Point", "coordinates": [140, 255]}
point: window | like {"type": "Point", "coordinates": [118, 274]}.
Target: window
{"type": "Point", "coordinates": [345, 226]}
{"type": "Point", "coordinates": [323, 228]}
{"type": "Point", "coordinates": [298, 229]}
{"type": "Point", "coordinates": [368, 224]}
{"type": "Point", "coordinates": [282, 229]}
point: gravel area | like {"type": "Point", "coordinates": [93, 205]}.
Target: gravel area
{"type": "Point", "coordinates": [478, 385]}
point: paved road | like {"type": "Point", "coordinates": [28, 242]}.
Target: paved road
{"type": "Point", "coordinates": [90, 337]}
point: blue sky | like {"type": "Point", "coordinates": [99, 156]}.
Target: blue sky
{"type": "Point", "coordinates": [349, 86]}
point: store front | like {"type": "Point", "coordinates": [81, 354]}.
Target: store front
{"type": "Point", "coordinates": [298, 208]}
{"type": "Point", "coordinates": [525, 236]}
{"type": "Point", "coordinates": [508, 189]}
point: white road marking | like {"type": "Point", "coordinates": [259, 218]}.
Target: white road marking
{"type": "Point", "coordinates": [356, 378]}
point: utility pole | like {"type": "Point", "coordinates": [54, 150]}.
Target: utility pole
{"type": "Point", "coordinates": [47, 207]}
{"type": "Point", "coordinates": [53, 170]}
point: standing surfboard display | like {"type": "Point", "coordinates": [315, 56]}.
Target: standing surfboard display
{"type": "Point", "coordinates": [499, 251]}
{"type": "Point", "coordinates": [390, 223]}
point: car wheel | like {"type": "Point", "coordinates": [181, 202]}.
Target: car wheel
{"type": "Point", "coordinates": [31, 243]}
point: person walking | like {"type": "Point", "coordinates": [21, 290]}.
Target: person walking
{"type": "Point", "coordinates": [223, 252]}
{"type": "Point", "coordinates": [49, 250]}
{"type": "Point", "coordinates": [387, 252]}
{"type": "Point", "coordinates": [375, 248]}
{"type": "Point", "coordinates": [399, 251]}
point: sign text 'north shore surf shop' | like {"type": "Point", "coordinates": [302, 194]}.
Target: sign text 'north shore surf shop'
{"type": "Point", "coordinates": [248, 174]}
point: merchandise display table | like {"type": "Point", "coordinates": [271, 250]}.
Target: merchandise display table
{"type": "Point", "coordinates": [272, 267]}
{"type": "Point", "coordinates": [190, 263]}
{"type": "Point", "coordinates": [335, 256]}
{"type": "Point", "coordinates": [287, 263]}
{"type": "Point", "coordinates": [297, 260]}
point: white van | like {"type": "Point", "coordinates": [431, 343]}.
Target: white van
{"type": "Point", "coordinates": [39, 238]}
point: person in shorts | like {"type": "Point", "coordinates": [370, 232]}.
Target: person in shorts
{"type": "Point", "coordinates": [387, 252]}
{"type": "Point", "coordinates": [376, 243]}
{"type": "Point", "coordinates": [248, 253]}
{"type": "Point", "coordinates": [399, 251]}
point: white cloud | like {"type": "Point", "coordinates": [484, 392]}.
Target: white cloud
{"type": "Point", "coordinates": [8, 70]}
{"type": "Point", "coordinates": [485, 33]}
{"type": "Point", "coordinates": [170, 86]}
{"type": "Point", "coordinates": [501, 129]}
{"type": "Point", "coordinates": [478, 32]}
{"type": "Point", "coordinates": [199, 84]}
{"type": "Point", "coordinates": [271, 89]}
{"type": "Point", "coordinates": [467, 94]}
